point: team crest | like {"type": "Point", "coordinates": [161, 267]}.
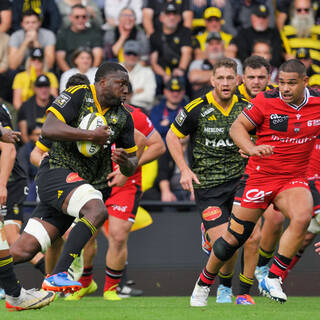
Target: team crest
{"type": "Point", "coordinates": [249, 106]}
{"type": "Point", "coordinates": [181, 117]}
{"type": "Point", "coordinates": [62, 100]}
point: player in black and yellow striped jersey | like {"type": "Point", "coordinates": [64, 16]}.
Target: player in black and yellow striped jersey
{"type": "Point", "coordinates": [216, 163]}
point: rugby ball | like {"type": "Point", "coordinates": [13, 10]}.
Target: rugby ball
{"type": "Point", "coordinates": [90, 122]}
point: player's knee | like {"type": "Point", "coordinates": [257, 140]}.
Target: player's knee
{"type": "Point", "coordinates": [223, 250]}
{"type": "Point", "coordinates": [301, 221]}
{"type": "Point", "coordinates": [240, 229]}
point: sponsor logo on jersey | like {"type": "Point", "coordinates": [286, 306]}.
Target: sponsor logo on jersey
{"type": "Point", "coordinates": [249, 106]}
{"type": "Point", "coordinates": [219, 143]}
{"type": "Point", "coordinates": [211, 213]}
{"type": "Point", "coordinates": [62, 100]}
{"type": "Point", "coordinates": [181, 117]}
{"type": "Point", "coordinates": [279, 122]}
{"type": "Point", "coordinates": [73, 177]}
{"type": "Point", "coordinates": [313, 123]}
{"type": "Point", "coordinates": [206, 112]}
{"type": "Point", "coordinates": [119, 208]}
{"type": "Point", "coordinates": [256, 195]}
{"type": "Point", "coordinates": [292, 140]}
{"type": "Point", "coordinates": [213, 130]}
{"type": "Point", "coordinates": [90, 100]}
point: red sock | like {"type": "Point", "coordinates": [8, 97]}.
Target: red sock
{"type": "Point", "coordinates": [279, 266]}
{"type": "Point", "coordinates": [113, 278]}
{"type": "Point", "coordinates": [293, 262]}
{"type": "Point", "coordinates": [86, 277]}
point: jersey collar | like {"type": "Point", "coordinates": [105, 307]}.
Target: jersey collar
{"type": "Point", "coordinates": [305, 100]}
{"type": "Point", "coordinates": [226, 113]}
{"type": "Point", "coordinates": [96, 102]}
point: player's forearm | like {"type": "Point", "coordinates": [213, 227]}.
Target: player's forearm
{"type": "Point", "coordinates": [176, 151]}
{"type": "Point", "coordinates": [129, 168]}
{"type": "Point", "coordinates": [7, 159]}
{"type": "Point", "coordinates": [241, 137]}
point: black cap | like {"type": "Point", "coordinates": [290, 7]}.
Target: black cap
{"type": "Point", "coordinates": [302, 53]}
{"type": "Point", "coordinates": [260, 10]}
{"type": "Point", "coordinates": [213, 36]}
{"type": "Point", "coordinates": [175, 84]}
{"type": "Point", "coordinates": [42, 81]}
{"type": "Point", "coordinates": [37, 53]}
{"type": "Point", "coordinates": [170, 7]}
{"type": "Point", "coordinates": [131, 46]}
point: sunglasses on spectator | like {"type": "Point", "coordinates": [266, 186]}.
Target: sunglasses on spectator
{"type": "Point", "coordinates": [303, 10]}
{"type": "Point", "coordinates": [131, 53]}
{"type": "Point", "coordinates": [81, 17]}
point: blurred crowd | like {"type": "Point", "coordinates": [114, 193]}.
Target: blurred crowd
{"type": "Point", "coordinates": [168, 48]}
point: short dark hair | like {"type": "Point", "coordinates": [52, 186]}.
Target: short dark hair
{"type": "Point", "coordinates": [78, 51]}
{"type": "Point", "coordinates": [29, 13]}
{"type": "Point", "coordinates": [294, 65]}
{"type": "Point", "coordinates": [256, 62]}
{"type": "Point", "coordinates": [77, 79]}
{"type": "Point", "coordinates": [264, 41]}
{"type": "Point", "coordinates": [107, 68]}
{"type": "Point", "coordinates": [78, 6]}
{"type": "Point", "coordinates": [225, 62]}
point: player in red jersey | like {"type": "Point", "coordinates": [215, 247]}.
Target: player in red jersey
{"type": "Point", "coordinates": [123, 204]}
{"type": "Point", "coordinates": [287, 121]}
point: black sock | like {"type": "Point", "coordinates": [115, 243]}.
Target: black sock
{"type": "Point", "coordinates": [264, 257]}
{"type": "Point", "coordinates": [245, 284]}
{"type": "Point", "coordinates": [279, 266]}
{"type": "Point", "coordinates": [225, 279]}
{"type": "Point", "coordinates": [78, 237]}
{"type": "Point", "coordinates": [8, 280]}
{"type": "Point", "coordinates": [40, 265]}
{"type": "Point", "coordinates": [124, 278]}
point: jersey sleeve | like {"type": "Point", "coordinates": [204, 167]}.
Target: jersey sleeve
{"type": "Point", "coordinates": [126, 138]}
{"type": "Point", "coordinates": [66, 106]}
{"type": "Point", "coordinates": [5, 117]}
{"type": "Point", "coordinates": [254, 110]}
{"type": "Point", "coordinates": [186, 120]}
{"type": "Point", "coordinates": [44, 144]}
{"type": "Point", "coordinates": [142, 123]}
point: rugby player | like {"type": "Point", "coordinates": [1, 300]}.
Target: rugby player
{"type": "Point", "coordinates": [71, 185]}
{"type": "Point", "coordinates": [217, 166]}
{"type": "Point", "coordinates": [286, 121]}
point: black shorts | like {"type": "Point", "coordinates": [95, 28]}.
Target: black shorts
{"type": "Point", "coordinates": [215, 204]}
{"type": "Point", "coordinates": [54, 185]}
{"type": "Point", "coordinates": [17, 192]}
{"type": "Point", "coordinates": [314, 186]}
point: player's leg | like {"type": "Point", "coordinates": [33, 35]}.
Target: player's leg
{"type": "Point", "coordinates": [52, 254]}
{"type": "Point", "coordinates": [296, 204]}
{"type": "Point", "coordinates": [17, 298]}
{"type": "Point", "coordinates": [249, 259]}
{"type": "Point", "coordinates": [270, 234]}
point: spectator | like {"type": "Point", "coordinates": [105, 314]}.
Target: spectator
{"type": "Point", "coordinates": [46, 9]}
{"type": "Point", "coordinates": [302, 33]}
{"type": "Point", "coordinates": [164, 113]}
{"type": "Point", "coordinates": [152, 10]}
{"type": "Point", "coordinates": [112, 10]}
{"type": "Point", "coordinates": [171, 49]}
{"type": "Point", "coordinates": [303, 54]}
{"type": "Point", "coordinates": [241, 46]}
{"type": "Point", "coordinates": [115, 38]}
{"type": "Point", "coordinates": [33, 111]}
{"type": "Point", "coordinates": [82, 60]}
{"type": "Point", "coordinates": [95, 14]}
{"type": "Point", "coordinates": [30, 36]}
{"type": "Point", "coordinates": [5, 15]}
{"type": "Point", "coordinates": [262, 48]}
{"type": "Point", "coordinates": [236, 14]}
{"type": "Point", "coordinates": [213, 23]}
{"type": "Point", "coordinates": [314, 81]}
{"type": "Point", "coordinates": [141, 78]}
{"type": "Point", "coordinates": [78, 35]}
{"type": "Point", "coordinates": [23, 83]}
{"type": "Point", "coordinates": [200, 71]}
{"type": "Point", "coordinates": [5, 80]}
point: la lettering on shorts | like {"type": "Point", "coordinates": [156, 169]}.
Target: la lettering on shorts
{"type": "Point", "coordinates": [257, 191]}
{"type": "Point", "coordinates": [124, 201]}
{"type": "Point", "coordinates": [215, 204]}
{"type": "Point", "coordinates": [17, 192]}
{"type": "Point", "coordinates": [314, 186]}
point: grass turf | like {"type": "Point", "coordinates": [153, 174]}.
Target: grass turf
{"type": "Point", "coordinates": [169, 308]}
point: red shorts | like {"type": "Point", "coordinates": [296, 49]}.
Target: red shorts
{"type": "Point", "coordinates": [255, 191]}
{"type": "Point", "coordinates": [123, 202]}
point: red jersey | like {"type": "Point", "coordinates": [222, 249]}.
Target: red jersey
{"type": "Point", "coordinates": [291, 129]}
{"type": "Point", "coordinates": [144, 125]}
{"type": "Point", "coordinates": [314, 163]}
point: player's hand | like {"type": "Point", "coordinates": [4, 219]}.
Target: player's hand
{"type": "Point", "coordinates": [101, 135]}
{"type": "Point", "coordinates": [187, 177]}
{"type": "Point", "coordinates": [243, 154]}
{"type": "Point", "coordinates": [317, 247]}
{"type": "Point", "coordinates": [119, 156]}
{"type": "Point", "coordinates": [3, 195]}
{"type": "Point", "coordinates": [168, 196]}
{"type": "Point", "coordinates": [262, 150]}
{"type": "Point", "coordinates": [116, 179]}
{"type": "Point", "coordinates": [10, 136]}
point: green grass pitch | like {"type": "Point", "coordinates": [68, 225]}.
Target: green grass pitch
{"type": "Point", "coordinates": [169, 308]}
